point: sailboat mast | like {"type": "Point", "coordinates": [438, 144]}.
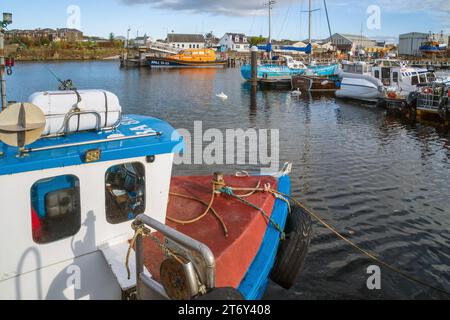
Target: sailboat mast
{"type": "Point", "coordinates": [328, 20]}
{"type": "Point", "coordinates": [310, 20]}
{"type": "Point", "coordinates": [269, 42]}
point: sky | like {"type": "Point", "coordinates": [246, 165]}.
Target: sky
{"type": "Point", "coordinates": [156, 18]}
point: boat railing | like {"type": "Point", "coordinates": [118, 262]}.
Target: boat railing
{"type": "Point", "coordinates": [433, 98]}
{"type": "Point", "coordinates": [196, 252]}
{"type": "Point", "coordinates": [65, 128]}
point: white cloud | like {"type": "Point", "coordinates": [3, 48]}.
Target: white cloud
{"type": "Point", "coordinates": [438, 8]}
{"type": "Point", "coordinates": [217, 7]}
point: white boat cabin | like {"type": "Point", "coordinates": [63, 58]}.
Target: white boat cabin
{"type": "Point", "coordinates": [67, 199]}
{"type": "Point", "coordinates": [391, 73]}
{"type": "Point", "coordinates": [394, 73]}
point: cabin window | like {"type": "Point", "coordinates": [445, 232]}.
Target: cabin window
{"type": "Point", "coordinates": [377, 74]}
{"type": "Point", "coordinates": [431, 77]}
{"type": "Point", "coordinates": [414, 80]}
{"type": "Point", "coordinates": [395, 76]}
{"type": "Point", "coordinates": [125, 192]}
{"type": "Point", "coordinates": [55, 209]}
{"type": "Point", "coordinates": [423, 78]}
{"type": "Point", "coordinates": [359, 68]}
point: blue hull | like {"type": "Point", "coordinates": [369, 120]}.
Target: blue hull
{"type": "Point", "coordinates": [255, 282]}
{"type": "Point", "coordinates": [170, 63]}
{"type": "Point", "coordinates": [267, 71]}
{"type": "Point", "coordinates": [431, 49]}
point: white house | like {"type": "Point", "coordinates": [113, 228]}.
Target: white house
{"type": "Point", "coordinates": [235, 42]}
{"type": "Point", "coordinates": [186, 41]}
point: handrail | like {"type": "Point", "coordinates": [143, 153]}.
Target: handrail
{"type": "Point", "coordinates": [77, 144]}
{"type": "Point", "coordinates": [181, 239]}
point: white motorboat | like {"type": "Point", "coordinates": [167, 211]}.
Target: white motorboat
{"type": "Point", "coordinates": [363, 81]}
{"type": "Point", "coordinates": [358, 82]}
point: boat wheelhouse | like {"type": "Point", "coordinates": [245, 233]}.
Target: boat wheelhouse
{"type": "Point", "coordinates": [90, 210]}
{"type": "Point", "coordinates": [395, 73]}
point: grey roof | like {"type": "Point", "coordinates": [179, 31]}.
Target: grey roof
{"type": "Point", "coordinates": [414, 34]}
{"type": "Point", "coordinates": [178, 37]}
{"type": "Point", "coordinates": [353, 37]}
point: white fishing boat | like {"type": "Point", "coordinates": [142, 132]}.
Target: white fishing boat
{"type": "Point", "coordinates": [368, 82]}
{"type": "Point", "coordinates": [89, 210]}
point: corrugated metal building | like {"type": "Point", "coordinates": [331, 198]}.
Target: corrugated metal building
{"type": "Point", "coordinates": [409, 43]}
{"type": "Point", "coordinates": [350, 42]}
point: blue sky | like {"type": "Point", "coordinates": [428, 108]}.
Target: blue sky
{"type": "Point", "coordinates": [157, 17]}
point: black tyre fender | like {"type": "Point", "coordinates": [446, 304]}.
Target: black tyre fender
{"type": "Point", "coordinates": [292, 251]}
{"type": "Point", "coordinates": [218, 294]}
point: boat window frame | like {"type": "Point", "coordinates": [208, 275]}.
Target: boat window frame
{"type": "Point", "coordinates": [376, 73]}
{"type": "Point", "coordinates": [395, 76]}
{"type": "Point", "coordinates": [415, 76]}
{"type": "Point", "coordinates": [41, 222]}
{"type": "Point", "coordinates": [423, 77]}
{"type": "Point", "coordinates": [144, 195]}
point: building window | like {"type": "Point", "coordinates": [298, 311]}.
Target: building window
{"type": "Point", "coordinates": [245, 40]}
{"type": "Point", "coordinates": [198, 46]}
{"type": "Point", "coordinates": [182, 45]}
{"type": "Point", "coordinates": [236, 39]}
{"type": "Point", "coordinates": [190, 46]}
{"type": "Point", "coordinates": [55, 209]}
{"type": "Point", "coordinates": [125, 192]}
{"type": "Point", "coordinates": [238, 46]}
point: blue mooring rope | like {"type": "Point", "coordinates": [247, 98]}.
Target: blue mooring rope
{"type": "Point", "coordinates": [229, 191]}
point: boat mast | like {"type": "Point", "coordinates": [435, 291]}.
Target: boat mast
{"type": "Point", "coordinates": [270, 4]}
{"type": "Point", "coordinates": [310, 11]}
{"type": "Point", "coordinates": [310, 18]}
{"type": "Point", "coordinates": [328, 21]}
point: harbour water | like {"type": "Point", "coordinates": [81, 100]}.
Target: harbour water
{"type": "Point", "coordinates": [382, 182]}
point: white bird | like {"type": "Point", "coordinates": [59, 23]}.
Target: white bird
{"type": "Point", "coordinates": [222, 96]}
{"type": "Point", "coordinates": [296, 93]}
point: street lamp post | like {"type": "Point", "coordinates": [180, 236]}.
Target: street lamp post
{"type": "Point", "coordinates": [7, 20]}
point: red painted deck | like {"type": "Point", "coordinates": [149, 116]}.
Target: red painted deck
{"type": "Point", "coordinates": [246, 226]}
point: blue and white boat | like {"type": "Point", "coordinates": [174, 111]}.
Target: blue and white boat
{"type": "Point", "coordinates": [291, 68]}
{"type": "Point", "coordinates": [86, 191]}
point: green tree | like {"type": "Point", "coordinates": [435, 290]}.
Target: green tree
{"type": "Point", "coordinates": [257, 40]}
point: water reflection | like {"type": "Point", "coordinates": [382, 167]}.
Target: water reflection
{"type": "Point", "coordinates": [381, 180]}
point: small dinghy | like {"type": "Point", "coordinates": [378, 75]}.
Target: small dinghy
{"type": "Point", "coordinates": [94, 200]}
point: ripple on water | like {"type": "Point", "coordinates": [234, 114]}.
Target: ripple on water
{"type": "Point", "coordinates": [382, 182]}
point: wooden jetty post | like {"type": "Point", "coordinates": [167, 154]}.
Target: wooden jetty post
{"type": "Point", "coordinates": [254, 65]}
{"type": "Point", "coordinates": [7, 20]}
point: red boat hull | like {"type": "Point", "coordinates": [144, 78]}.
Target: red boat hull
{"type": "Point", "coordinates": [246, 226]}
